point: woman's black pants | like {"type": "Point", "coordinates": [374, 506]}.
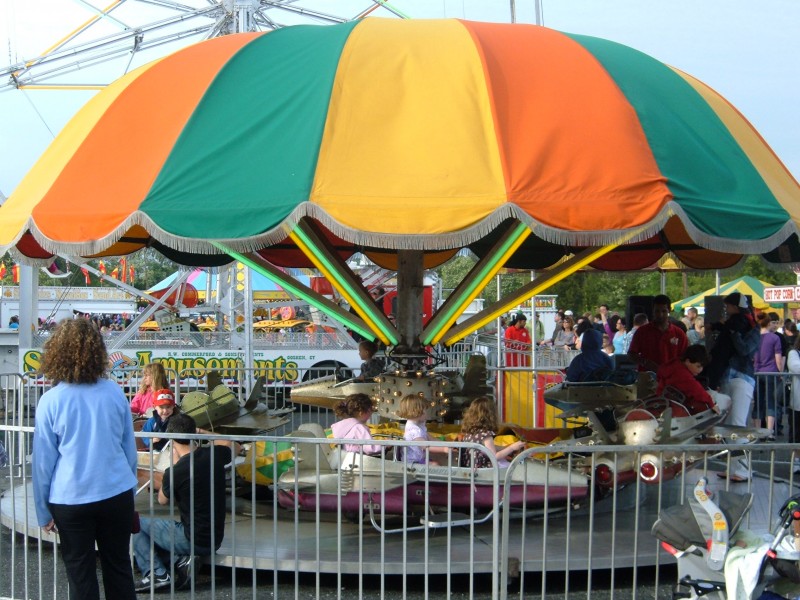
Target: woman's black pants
{"type": "Point", "coordinates": [108, 524]}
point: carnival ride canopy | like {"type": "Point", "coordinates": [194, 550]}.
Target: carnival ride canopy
{"type": "Point", "coordinates": [263, 288]}
{"type": "Point", "coordinates": [380, 136]}
{"type": "Point", "coordinates": [392, 134]}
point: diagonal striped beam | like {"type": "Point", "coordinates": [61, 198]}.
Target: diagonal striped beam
{"type": "Point", "coordinates": [100, 13]}
{"type": "Point", "coordinates": [474, 283]}
{"type": "Point", "coordinates": [319, 252]}
{"type": "Point", "coordinates": [537, 286]}
{"type": "Point", "coordinates": [393, 9]}
{"type": "Point", "coordinates": [271, 272]}
{"type": "Point", "coordinates": [75, 87]}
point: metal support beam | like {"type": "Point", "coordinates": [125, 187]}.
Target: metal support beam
{"type": "Point", "coordinates": [115, 282]}
{"type": "Point", "coordinates": [248, 328]}
{"type": "Point", "coordinates": [475, 281]}
{"type": "Point", "coordinates": [347, 283]}
{"type": "Point", "coordinates": [157, 303]}
{"type": "Point", "coordinates": [28, 304]}
{"type": "Point", "coordinates": [410, 287]}
{"type": "Point", "coordinates": [271, 272]}
{"type": "Point", "coordinates": [537, 286]}
{"type": "Point", "coordinates": [60, 60]}
{"type": "Point", "coordinates": [392, 9]}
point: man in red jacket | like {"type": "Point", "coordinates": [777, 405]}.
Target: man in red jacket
{"type": "Point", "coordinates": [518, 342]}
{"type": "Point", "coordinates": [659, 341]}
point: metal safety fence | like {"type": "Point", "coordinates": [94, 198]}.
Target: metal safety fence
{"type": "Point", "coordinates": [304, 518]}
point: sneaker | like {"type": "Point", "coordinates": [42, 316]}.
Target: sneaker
{"type": "Point", "coordinates": [157, 582]}
{"type": "Point", "coordinates": [183, 571]}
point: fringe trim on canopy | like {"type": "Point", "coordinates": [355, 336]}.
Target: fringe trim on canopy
{"type": "Point", "coordinates": [20, 258]}
{"type": "Point", "coordinates": [728, 245]}
{"type": "Point", "coordinates": [433, 242]}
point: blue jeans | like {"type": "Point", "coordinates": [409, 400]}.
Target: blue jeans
{"type": "Point", "coordinates": [769, 393]}
{"type": "Point", "coordinates": [167, 536]}
{"type": "Point", "coordinates": [741, 389]}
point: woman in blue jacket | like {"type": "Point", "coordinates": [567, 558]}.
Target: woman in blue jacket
{"type": "Point", "coordinates": [84, 462]}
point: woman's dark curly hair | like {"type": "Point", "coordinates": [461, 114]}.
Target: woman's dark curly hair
{"type": "Point", "coordinates": [75, 353]}
{"type": "Point", "coordinates": [352, 406]}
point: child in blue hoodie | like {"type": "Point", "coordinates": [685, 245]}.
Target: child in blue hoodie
{"type": "Point", "coordinates": [592, 364]}
{"type": "Point", "coordinates": [163, 408]}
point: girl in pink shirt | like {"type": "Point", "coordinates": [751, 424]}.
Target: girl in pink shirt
{"type": "Point", "coordinates": [154, 377]}
{"type": "Point", "coordinates": [354, 412]}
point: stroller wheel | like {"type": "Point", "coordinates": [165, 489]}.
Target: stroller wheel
{"type": "Point", "coordinates": [677, 593]}
{"type": "Point", "coordinates": [699, 588]}
{"type": "Point", "coordinates": [788, 569]}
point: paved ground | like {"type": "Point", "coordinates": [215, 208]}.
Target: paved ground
{"type": "Point", "coordinates": [267, 585]}
{"type": "Point", "coordinates": [226, 583]}
{"type": "Point", "coordinates": [18, 556]}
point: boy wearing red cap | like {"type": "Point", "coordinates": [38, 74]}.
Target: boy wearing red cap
{"type": "Point", "coordinates": [163, 408]}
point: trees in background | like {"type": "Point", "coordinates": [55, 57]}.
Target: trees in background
{"type": "Point", "coordinates": [147, 267]}
{"type": "Point", "coordinates": [586, 290]}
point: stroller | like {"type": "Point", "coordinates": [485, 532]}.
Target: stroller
{"type": "Point", "coordinates": [699, 532]}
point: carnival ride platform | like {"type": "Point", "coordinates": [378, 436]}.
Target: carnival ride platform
{"type": "Point", "coordinates": [263, 536]}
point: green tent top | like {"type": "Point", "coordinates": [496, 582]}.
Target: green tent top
{"type": "Point", "coordinates": [746, 285]}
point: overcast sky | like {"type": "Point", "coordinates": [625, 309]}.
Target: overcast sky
{"type": "Point", "coordinates": [748, 51]}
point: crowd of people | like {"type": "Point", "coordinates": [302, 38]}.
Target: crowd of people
{"type": "Point", "coordinates": [567, 333]}
{"type": "Point", "coordinates": [104, 322]}
{"type": "Point", "coordinates": [738, 366]}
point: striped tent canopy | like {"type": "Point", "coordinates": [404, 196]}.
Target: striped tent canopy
{"type": "Point", "coordinates": [263, 288]}
{"type": "Point", "coordinates": [384, 135]}
{"type": "Point", "coordinates": [749, 286]}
